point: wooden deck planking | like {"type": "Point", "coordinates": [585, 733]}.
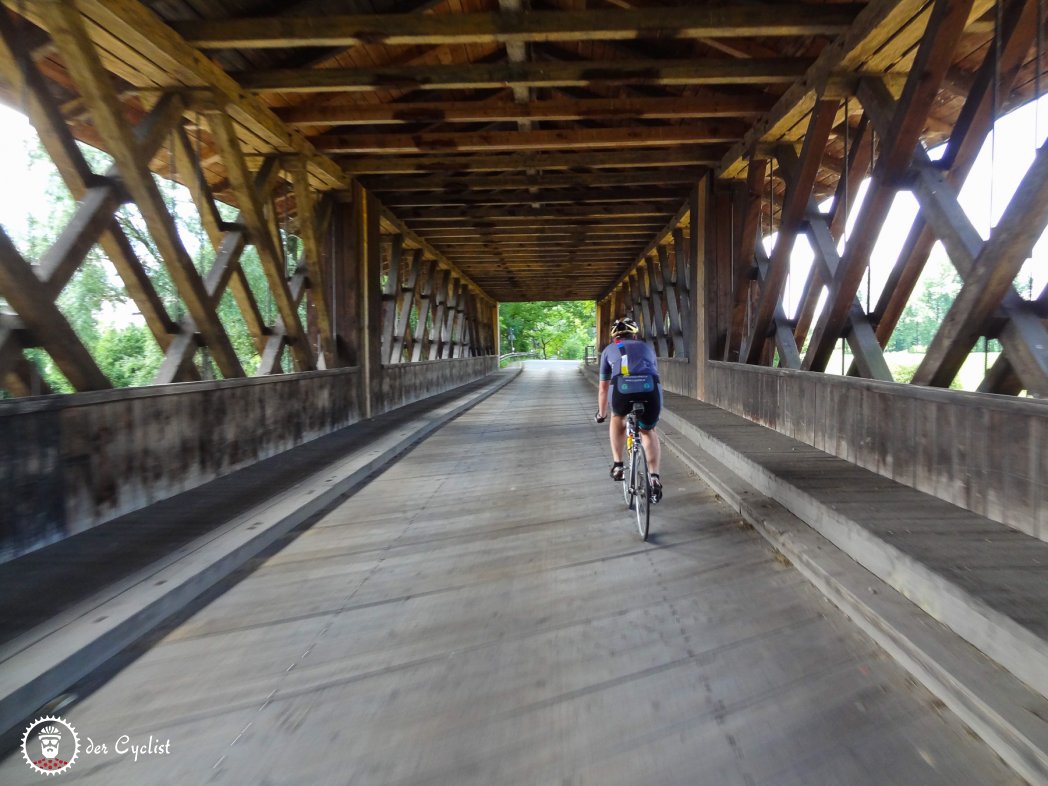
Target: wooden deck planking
{"type": "Point", "coordinates": [480, 614]}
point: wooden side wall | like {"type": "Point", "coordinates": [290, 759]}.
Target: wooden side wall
{"type": "Point", "coordinates": [72, 462]}
{"type": "Point", "coordinates": [983, 452]}
{"type": "Point", "coordinates": [403, 383]}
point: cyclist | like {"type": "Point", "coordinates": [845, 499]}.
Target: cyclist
{"type": "Point", "coordinates": [626, 357]}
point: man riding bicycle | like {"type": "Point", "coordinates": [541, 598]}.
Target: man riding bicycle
{"type": "Point", "coordinates": [628, 357]}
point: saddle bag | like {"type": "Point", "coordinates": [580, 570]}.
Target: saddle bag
{"type": "Point", "coordinates": [632, 384]}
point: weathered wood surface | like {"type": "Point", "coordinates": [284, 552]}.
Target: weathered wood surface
{"type": "Point", "coordinates": [454, 623]}
{"type": "Point", "coordinates": [983, 453]}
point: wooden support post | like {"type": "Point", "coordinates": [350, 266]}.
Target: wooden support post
{"type": "Point", "coordinates": [440, 297]}
{"type": "Point", "coordinates": [390, 293]}
{"type": "Point", "coordinates": [447, 332]}
{"type": "Point", "coordinates": [868, 355]}
{"type": "Point", "coordinates": [789, 357]}
{"type": "Point", "coordinates": [603, 315]}
{"type": "Point", "coordinates": [367, 247]}
{"type": "Point", "coordinates": [699, 295]}
{"type": "Point", "coordinates": [745, 265]}
{"type": "Point", "coordinates": [719, 271]}
{"type": "Point", "coordinates": [682, 278]}
{"type": "Point", "coordinates": [855, 168]}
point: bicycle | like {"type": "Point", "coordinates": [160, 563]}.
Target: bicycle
{"type": "Point", "coordinates": [636, 481]}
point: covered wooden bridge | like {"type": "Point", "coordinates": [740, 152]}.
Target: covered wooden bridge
{"type": "Point", "coordinates": [351, 549]}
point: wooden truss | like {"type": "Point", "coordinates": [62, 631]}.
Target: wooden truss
{"type": "Point", "coordinates": [656, 291]}
{"type": "Point", "coordinates": [461, 324]}
{"type": "Point", "coordinates": [987, 305]}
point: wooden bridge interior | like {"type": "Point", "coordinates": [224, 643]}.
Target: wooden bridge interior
{"type": "Point", "coordinates": [373, 178]}
{"type": "Point", "coordinates": [518, 150]}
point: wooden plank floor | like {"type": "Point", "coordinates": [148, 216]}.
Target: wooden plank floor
{"type": "Point", "coordinates": [483, 613]}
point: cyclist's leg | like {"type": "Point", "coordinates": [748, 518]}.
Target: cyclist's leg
{"type": "Point", "coordinates": [619, 406]}
{"type": "Point", "coordinates": [650, 439]}
{"type": "Point", "coordinates": [652, 449]}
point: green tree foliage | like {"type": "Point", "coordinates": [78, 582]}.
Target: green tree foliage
{"type": "Point", "coordinates": [923, 315]}
{"type": "Point", "coordinates": [551, 328]}
{"type": "Point", "coordinates": [122, 346]}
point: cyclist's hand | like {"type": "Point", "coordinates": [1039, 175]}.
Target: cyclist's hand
{"type": "Point", "coordinates": [598, 418]}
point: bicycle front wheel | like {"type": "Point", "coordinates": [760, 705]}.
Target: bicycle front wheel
{"type": "Point", "coordinates": [642, 492]}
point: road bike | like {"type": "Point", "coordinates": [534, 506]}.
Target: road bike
{"type": "Point", "coordinates": [636, 481]}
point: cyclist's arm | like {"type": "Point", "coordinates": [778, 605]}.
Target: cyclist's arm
{"type": "Point", "coordinates": [602, 397]}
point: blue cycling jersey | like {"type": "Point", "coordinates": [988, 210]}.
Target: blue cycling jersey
{"type": "Point", "coordinates": [640, 358]}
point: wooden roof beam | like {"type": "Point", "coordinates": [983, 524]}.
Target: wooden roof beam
{"type": "Point", "coordinates": [495, 76]}
{"type": "Point", "coordinates": [878, 23]}
{"type": "Point", "coordinates": [541, 196]}
{"type": "Point", "coordinates": [151, 46]}
{"type": "Point", "coordinates": [701, 132]}
{"type": "Point", "coordinates": [736, 21]}
{"type": "Point", "coordinates": [690, 107]}
{"type": "Point", "coordinates": [509, 218]}
{"type": "Point", "coordinates": [662, 157]}
{"type": "Point", "coordinates": [452, 186]}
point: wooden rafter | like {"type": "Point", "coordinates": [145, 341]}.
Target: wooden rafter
{"type": "Point", "coordinates": [881, 28]}
{"type": "Point", "coordinates": [479, 28]}
{"type": "Point", "coordinates": [699, 132]}
{"type": "Point", "coordinates": [543, 197]}
{"type": "Point", "coordinates": [669, 157]}
{"type": "Point", "coordinates": [685, 107]}
{"type": "Point", "coordinates": [543, 74]}
{"type": "Point", "coordinates": [149, 54]}
{"type": "Point", "coordinates": [581, 211]}
{"type": "Point", "coordinates": [468, 184]}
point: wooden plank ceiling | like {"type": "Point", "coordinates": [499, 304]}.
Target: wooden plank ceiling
{"type": "Point", "coordinates": [540, 146]}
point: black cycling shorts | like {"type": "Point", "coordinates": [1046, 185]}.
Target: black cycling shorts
{"type": "Point", "coordinates": [621, 405]}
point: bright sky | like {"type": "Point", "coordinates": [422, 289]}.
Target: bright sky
{"type": "Point", "coordinates": [999, 168]}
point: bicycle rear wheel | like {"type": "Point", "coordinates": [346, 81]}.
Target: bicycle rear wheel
{"type": "Point", "coordinates": [642, 492]}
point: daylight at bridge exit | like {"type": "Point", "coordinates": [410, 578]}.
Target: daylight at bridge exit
{"type": "Point", "coordinates": [512, 392]}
